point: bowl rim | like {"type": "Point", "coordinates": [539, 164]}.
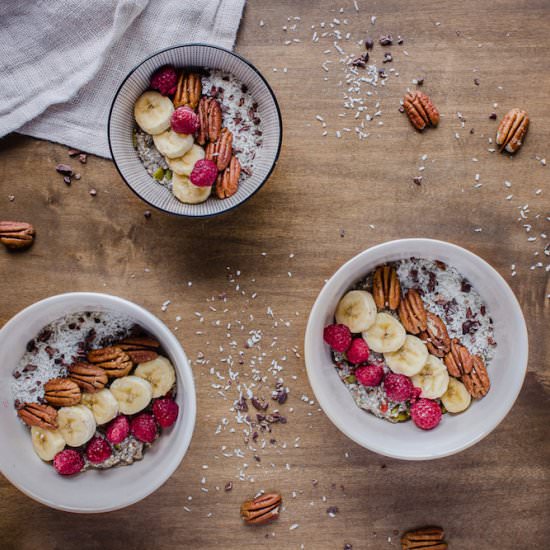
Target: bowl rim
{"type": "Point", "coordinates": [269, 89]}
{"type": "Point", "coordinates": [191, 403]}
{"type": "Point", "coordinates": [310, 338]}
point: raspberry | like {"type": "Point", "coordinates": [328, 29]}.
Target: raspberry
{"type": "Point", "coordinates": [370, 375]}
{"type": "Point", "coordinates": [165, 80]}
{"type": "Point", "coordinates": [68, 462]}
{"type": "Point", "coordinates": [358, 351]}
{"type": "Point", "coordinates": [426, 413]}
{"type": "Point", "coordinates": [184, 121]}
{"type": "Point", "coordinates": [338, 337]}
{"type": "Point", "coordinates": [144, 427]}
{"type": "Point", "coordinates": [98, 450]}
{"type": "Point", "coordinates": [204, 173]}
{"type": "Point", "coordinates": [398, 387]}
{"type": "Point", "coordinates": [166, 411]}
{"type": "Point", "coordinates": [118, 429]}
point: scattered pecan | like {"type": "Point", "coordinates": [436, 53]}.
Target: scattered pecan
{"type": "Point", "coordinates": [436, 336]}
{"type": "Point", "coordinates": [386, 288]}
{"type": "Point", "coordinates": [227, 182]}
{"type": "Point", "coordinates": [16, 235]}
{"type": "Point", "coordinates": [62, 392]}
{"type": "Point", "coordinates": [139, 350]}
{"type": "Point", "coordinates": [512, 130]}
{"type": "Point", "coordinates": [188, 91]}
{"type": "Point", "coordinates": [115, 362]}
{"type": "Point", "coordinates": [43, 416]}
{"type": "Point", "coordinates": [458, 361]}
{"type": "Point", "coordinates": [261, 509]}
{"type": "Point", "coordinates": [220, 151]}
{"type": "Point", "coordinates": [412, 313]}
{"type": "Point", "coordinates": [477, 381]}
{"type": "Point", "coordinates": [426, 537]}
{"type": "Point", "coordinates": [420, 110]}
{"type": "Point", "coordinates": [90, 378]}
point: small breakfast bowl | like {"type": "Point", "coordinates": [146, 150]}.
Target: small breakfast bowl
{"type": "Point", "coordinates": [94, 490]}
{"type": "Point", "coordinates": [121, 125]}
{"type": "Point", "coordinates": [456, 432]}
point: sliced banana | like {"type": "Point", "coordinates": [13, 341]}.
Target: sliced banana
{"type": "Point", "coordinates": [187, 192]}
{"type": "Point", "coordinates": [173, 145]}
{"type": "Point", "coordinates": [409, 358]}
{"type": "Point", "coordinates": [386, 334]}
{"type": "Point", "coordinates": [432, 379]}
{"type": "Point", "coordinates": [103, 405]}
{"type": "Point", "coordinates": [76, 424]}
{"type": "Point", "coordinates": [356, 310]}
{"type": "Point", "coordinates": [184, 165]}
{"type": "Point", "coordinates": [152, 112]}
{"type": "Point", "coordinates": [132, 393]}
{"type": "Point", "coordinates": [456, 399]}
{"type": "Point", "coordinates": [160, 373]}
{"type": "Point", "coordinates": [46, 443]}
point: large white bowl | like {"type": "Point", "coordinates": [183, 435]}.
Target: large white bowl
{"type": "Point", "coordinates": [95, 490]}
{"type": "Point", "coordinates": [455, 432]}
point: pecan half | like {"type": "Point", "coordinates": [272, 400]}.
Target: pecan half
{"type": "Point", "coordinates": [386, 288]}
{"type": "Point", "coordinates": [261, 509]}
{"type": "Point", "coordinates": [202, 135]}
{"type": "Point", "coordinates": [436, 336]}
{"type": "Point", "coordinates": [477, 381]}
{"type": "Point", "coordinates": [43, 416]}
{"type": "Point", "coordinates": [139, 350]}
{"type": "Point", "coordinates": [115, 362]}
{"type": "Point", "coordinates": [90, 378]}
{"type": "Point", "coordinates": [426, 537]}
{"type": "Point", "coordinates": [16, 235]}
{"type": "Point", "coordinates": [227, 182]}
{"type": "Point", "coordinates": [188, 91]}
{"type": "Point", "coordinates": [420, 110]}
{"type": "Point", "coordinates": [458, 361]}
{"type": "Point", "coordinates": [220, 151]}
{"type": "Point", "coordinates": [214, 116]}
{"type": "Point", "coordinates": [512, 130]}
{"type": "Point", "coordinates": [62, 392]}
{"type": "Point", "coordinates": [412, 313]}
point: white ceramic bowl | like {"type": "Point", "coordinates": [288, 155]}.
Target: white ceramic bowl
{"type": "Point", "coordinates": [121, 124]}
{"type": "Point", "coordinates": [95, 490]}
{"type": "Point", "coordinates": [455, 432]}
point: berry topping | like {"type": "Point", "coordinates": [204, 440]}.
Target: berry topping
{"type": "Point", "coordinates": [358, 351]}
{"type": "Point", "coordinates": [426, 413]}
{"type": "Point", "coordinates": [370, 375]}
{"type": "Point", "coordinates": [118, 429]}
{"type": "Point", "coordinates": [398, 387]}
{"type": "Point", "coordinates": [338, 337]}
{"type": "Point", "coordinates": [204, 173]}
{"type": "Point", "coordinates": [166, 411]}
{"type": "Point", "coordinates": [68, 462]}
{"type": "Point", "coordinates": [184, 121]}
{"type": "Point", "coordinates": [98, 450]}
{"type": "Point", "coordinates": [144, 427]}
{"type": "Point", "coordinates": [165, 80]}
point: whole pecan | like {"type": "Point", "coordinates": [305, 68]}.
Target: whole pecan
{"type": "Point", "coordinates": [426, 537]}
{"type": "Point", "coordinates": [115, 362]}
{"type": "Point", "coordinates": [420, 110]}
{"type": "Point", "coordinates": [477, 381]}
{"type": "Point", "coordinates": [139, 350]}
{"type": "Point", "coordinates": [412, 312]}
{"type": "Point", "coordinates": [188, 91]}
{"type": "Point", "coordinates": [221, 150]}
{"type": "Point", "coordinates": [386, 288]}
{"type": "Point", "coordinates": [16, 235]}
{"type": "Point", "coordinates": [90, 378]}
{"type": "Point", "coordinates": [436, 336]}
{"type": "Point", "coordinates": [214, 116]}
{"type": "Point", "coordinates": [43, 416]}
{"type": "Point", "coordinates": [261, 509]}
{"type": "Point", "coordinates": [458, 361]}
{"type": "Point", "coordinates": [512, 130]}
{"type": "Point", "coordinates": [62, 392]}
{"type": "Point", "coordinates": [227, 182]}
{"type": "Point", "coordinates": [202, 135]}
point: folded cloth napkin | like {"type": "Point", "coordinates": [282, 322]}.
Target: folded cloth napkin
{"type": "Point", "coordinates": [62, 61]}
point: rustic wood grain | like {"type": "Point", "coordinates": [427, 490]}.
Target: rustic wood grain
{"type": "Point", "coordinates": [494, 495]}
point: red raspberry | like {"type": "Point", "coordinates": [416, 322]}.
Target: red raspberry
{"type": "Point", "coordinates": [68, 462]}
{"type": "Point", "coordinates": [358, 351]}
{"type": "Point", "coordinates": [204, 173]}
{"type": "Point", "coordinates": [338, 337]}
{"type": "Point", "coordinates": [165, 80]}
{"type": "Point", "coordinates": [98, 450]}
{"type": "Point", "coordinates": [370, 375]}
{"type": "Point", "coordinates": [398, 387]}
{"type": "Point", "coordinates": [184, 121]}
{"type": "Point", "coordinates": [426, 413]}
{"type": "Point", "coordinates": [118, 429]}
{"type": "Point", "coordinates": [166, 411]}
{"type": "Point", "coordinates": [144, 427]}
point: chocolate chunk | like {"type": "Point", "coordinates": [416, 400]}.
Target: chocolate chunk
{"type": "Point", "coordinates": [386, 40]}
{"type": "Point", "coordinates": [493, 116]}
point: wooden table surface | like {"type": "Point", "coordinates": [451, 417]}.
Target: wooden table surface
{"type": "Point", "coordinates": [328, 199]}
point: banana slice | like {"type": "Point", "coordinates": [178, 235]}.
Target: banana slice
{"type": "Point", "coordinates": [456, 399]}
{"type": "Point", "coordinates": [356, 310]}
{"type": "Point", "coordinates": [184, 165]}
{"type": "Point", "coordinates": [410, 358]}
{"type": "Point", "coordinates": [386, 334]}
{"type": "Point", "coordinates": [46, 443]}
{"type": "Point", "coordinates": [160, 373]}
{"type": "Point", "coordinates": [152, 112]}
{"type": "Point", "coordinates": [132, 393]}
{"type": "Point", "coordinates": [103, 405]}
{"type": "Point", "coordinates": [432, 379]}
{"type": "Point", "coordinates": [76, 424]}
{"type": "Point", "coordinates": [173, 145]}
{"type": "Point", "coordinates": [187, 192]}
